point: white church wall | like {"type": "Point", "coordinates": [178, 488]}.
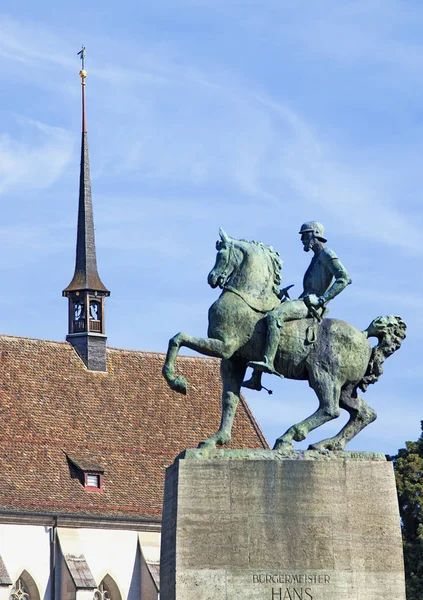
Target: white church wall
{"type": "Point", "coordinates": [27, 548]}
{"type": "Point", "coordinates": [115, 553]}
{"type": "Point", "coordinates": [111, 552]}
{"type": "Point", "coordinates": [84, 595]}
{"type": "Point", "coordinates": [4, 592]}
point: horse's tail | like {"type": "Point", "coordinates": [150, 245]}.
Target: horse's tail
{"type": "Point", "coordinates": [390, 331]}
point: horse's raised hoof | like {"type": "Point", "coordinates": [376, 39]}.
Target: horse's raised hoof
{"type": "Point", "coordinates": [281, 445]}
{"type": "Point", "coordinates": [179, 384]}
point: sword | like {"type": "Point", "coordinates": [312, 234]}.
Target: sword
{"type": "Point", "coordinates": [284, 292]}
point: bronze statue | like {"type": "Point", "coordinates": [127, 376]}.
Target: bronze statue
{"type": "Point", "coordinates": [319, 289]}
{"type": "Point", "coordinates": [333, 356]}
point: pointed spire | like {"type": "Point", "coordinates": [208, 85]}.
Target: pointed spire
{"type": "Point", "coordinates": [86, 292]}
{"type": "Point", "coordinates": [86, 276]}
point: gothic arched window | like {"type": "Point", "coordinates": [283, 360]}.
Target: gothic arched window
{"type": "Point", "coordinates": [19, 591]}
{"type": "Point", "coordinates": [102, 593]}
{"type": "Point", "coordinates": [107, 590]}
{"type": "Point", "coordinates": [24, 588]}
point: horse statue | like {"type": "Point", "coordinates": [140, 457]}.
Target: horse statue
{"type": "Point", "coordinates": [336, 360]}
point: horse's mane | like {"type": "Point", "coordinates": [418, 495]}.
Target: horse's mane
{"type": "Point", "coordinates": [276, 263]}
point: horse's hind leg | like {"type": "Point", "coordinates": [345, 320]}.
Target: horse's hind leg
{"type": "Point", "coordinates": [361, 415]}
{"type": "Point", "coordinates": [328, 391]}
{"type": "Point", "coordinates": [232, 372]}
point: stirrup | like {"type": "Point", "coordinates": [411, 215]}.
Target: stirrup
{"type": "Point", "coordinates": [249, 383]}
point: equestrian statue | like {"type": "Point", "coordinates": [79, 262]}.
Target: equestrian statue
{"type": "Point", "coordinates": [255, 323]}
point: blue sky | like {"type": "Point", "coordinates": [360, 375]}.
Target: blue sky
{"type": "Point", "coordinates": [254, 116]}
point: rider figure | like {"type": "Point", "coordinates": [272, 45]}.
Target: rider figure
{"type": "Point", "coordinates": [324, 279]}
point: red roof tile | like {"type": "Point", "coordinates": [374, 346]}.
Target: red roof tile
{"type": "Point", "coordinates": [127, 421]}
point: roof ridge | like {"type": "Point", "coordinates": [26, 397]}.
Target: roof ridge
{"type": "Point", "coordinates": [31, 339]}
{"type": "Point", "coordinates": [156, 353]}
{"type": "Point", "coordinates": [108, 349]}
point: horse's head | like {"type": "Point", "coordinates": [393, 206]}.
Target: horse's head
{"type": "Point", "coordinates": [227, 260]}
{"type": "Point", "coordinates": [251, 269]}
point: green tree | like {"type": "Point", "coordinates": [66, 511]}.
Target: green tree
{"type": "Point", "coordinates": [408, 465]}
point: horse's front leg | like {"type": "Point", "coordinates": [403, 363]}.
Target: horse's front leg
{"type": "Point", "coordinates": [207, 346]}
{"type": "Point", "coordinates": [232, 372]}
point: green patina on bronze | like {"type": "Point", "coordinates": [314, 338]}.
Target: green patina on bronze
{"type": "Point", "coordinates": [254, 323]}
{"type": "Point", "coordinates": [277, 455]}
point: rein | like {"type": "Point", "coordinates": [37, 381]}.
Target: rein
{"type": "Point", "coordinates": [252, 302]}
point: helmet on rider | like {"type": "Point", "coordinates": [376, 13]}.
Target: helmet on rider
{"type": "Point", "coordinates": [315, 227]}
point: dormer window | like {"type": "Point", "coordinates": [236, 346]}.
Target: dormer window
{"type": "Point", "coordinates": [89, 473]}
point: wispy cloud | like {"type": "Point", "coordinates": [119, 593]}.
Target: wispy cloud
{"type": "Point", "coordinates": [379, 31]}
{"type": "Point", "coordinates": [251, 143]}
{"type": "Point", "coordinates": [30, 43]}
{"type": "Point", "coordinates": [309, 164]}
{"type": "Point", "coordinates": [36, 159]}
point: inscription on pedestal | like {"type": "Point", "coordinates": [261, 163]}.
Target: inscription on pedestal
{"type": "Point", "coordinates": [294, 586]}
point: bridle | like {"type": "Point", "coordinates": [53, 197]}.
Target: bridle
{"type": "Point", "coordinates": [223, 277]}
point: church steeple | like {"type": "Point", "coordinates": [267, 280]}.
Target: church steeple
{"type": "Point", "coordinates": [86, 292]}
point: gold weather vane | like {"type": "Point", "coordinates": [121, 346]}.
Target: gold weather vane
{"type": "Point", "coordinates": [83, 74]}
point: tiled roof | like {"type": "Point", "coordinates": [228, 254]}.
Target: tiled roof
{"type": "Point", "coordinates": [4, 575]}
{"type": "Point", "coordinates": [127, 421]}
{"type": "Point", "coordinates": [80, 572]}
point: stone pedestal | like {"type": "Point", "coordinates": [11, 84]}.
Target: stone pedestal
{"type": "Point", "coordinates": [243, 525]}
